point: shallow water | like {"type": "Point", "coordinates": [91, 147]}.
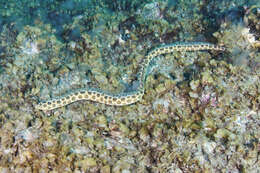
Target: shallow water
{"type": "Point", "coordinates": [200, 109]}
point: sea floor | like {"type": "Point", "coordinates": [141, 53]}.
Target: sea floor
{"type": "Point", "coordinates": [200, 110]}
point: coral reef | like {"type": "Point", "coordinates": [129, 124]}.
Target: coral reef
{"type": "Point", "coordinates": [200, 111]}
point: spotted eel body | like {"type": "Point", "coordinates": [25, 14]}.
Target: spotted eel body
{"type": "Point", "coordinates": [128, 97]}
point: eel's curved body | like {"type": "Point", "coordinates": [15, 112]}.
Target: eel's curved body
{"type": "Point", "coordinates": [130, 97]}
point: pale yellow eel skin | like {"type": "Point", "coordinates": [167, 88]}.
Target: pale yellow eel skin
{"type": "Point", "coordinates": [130, 97]}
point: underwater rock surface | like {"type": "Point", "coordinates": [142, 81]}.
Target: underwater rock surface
{"type": "Point", "coordinates": [200, 111]}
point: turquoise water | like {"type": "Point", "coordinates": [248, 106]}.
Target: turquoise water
{"type": "Point", "coordinates": [58, 13]}
{"type": "Point", "coordinates": [200, 109]}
